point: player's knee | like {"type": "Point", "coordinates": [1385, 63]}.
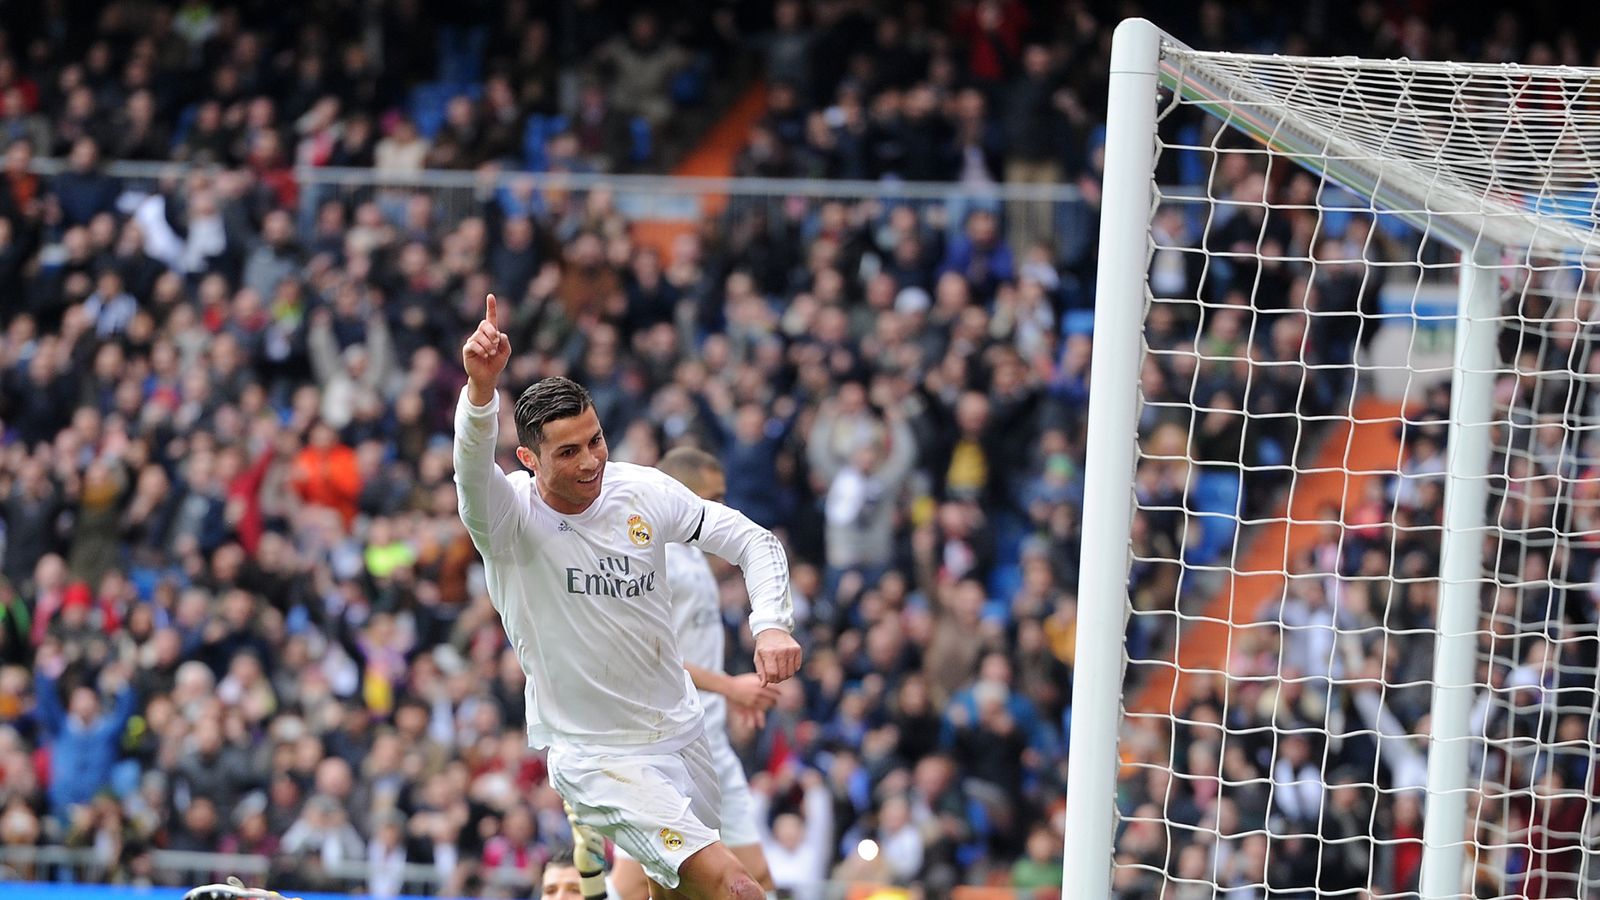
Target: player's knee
{"type": "Point", "coordinates": [739, 886]}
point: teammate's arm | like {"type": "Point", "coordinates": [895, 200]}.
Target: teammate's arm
{"type": "Point", "coordinates": [484, 496]}
{"type": "Point", "coordinates": [746, 691]}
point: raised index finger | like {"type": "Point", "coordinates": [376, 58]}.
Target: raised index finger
{"type": "Point", "coordinates": [489, 314]}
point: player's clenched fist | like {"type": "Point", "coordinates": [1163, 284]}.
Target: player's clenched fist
{"type": "Point", "coordinates": [484, 355]}
{"type": "Point", "coordinates": [777, 655]}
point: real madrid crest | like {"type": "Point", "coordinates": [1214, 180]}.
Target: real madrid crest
{"type": "Point", "coordinates": [639, 530]}
{"type": "Point", "coordinates": [669, 838]}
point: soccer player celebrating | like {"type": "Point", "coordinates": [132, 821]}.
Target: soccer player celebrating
{"type": "Point", "coordinates": [574, 551]}
{"type": "Point", "coordinates": [697, 620]}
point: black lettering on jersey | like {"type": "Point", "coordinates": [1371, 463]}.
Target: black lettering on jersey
{"type": "Point", "coordinates": [608, 583]}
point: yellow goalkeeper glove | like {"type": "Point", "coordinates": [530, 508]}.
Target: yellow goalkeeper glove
{"type": "Point", "coordinates": [588, 856]}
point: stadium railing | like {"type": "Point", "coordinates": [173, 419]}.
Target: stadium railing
{"type": "Point", "coordinates": [658, 208]}
{"type": "Point", "coordinates": [49, 872]}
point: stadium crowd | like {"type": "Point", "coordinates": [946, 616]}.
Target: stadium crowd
{"type": "Point", "coordinates": [239, 612]}
{"type": "Point", "coordinates": [1302, 768]}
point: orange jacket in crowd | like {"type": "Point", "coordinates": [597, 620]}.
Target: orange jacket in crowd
{"type": "Point", "coordinates": [328, 476]}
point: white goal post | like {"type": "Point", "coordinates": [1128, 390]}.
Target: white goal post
{"type": "Point", "coordinates": [1337, 626]}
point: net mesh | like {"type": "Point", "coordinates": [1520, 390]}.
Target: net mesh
{"type": "Point", "coordinates": [1503, 151]}
{"type": "Point", "coordinates": [1289, 490]}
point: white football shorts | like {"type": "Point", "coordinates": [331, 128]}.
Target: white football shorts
{"type": "Point", "coordinates": [660, 808]}
{"type": "Point", "coordinates": [738, 807]}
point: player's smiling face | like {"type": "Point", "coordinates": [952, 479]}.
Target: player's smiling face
{"type": "Point", "coordinates": [571, 462]}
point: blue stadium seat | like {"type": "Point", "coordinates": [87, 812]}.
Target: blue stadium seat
{"type": "Point", "coordinates": [429, 100]}
{"type": "Point", "coordinates": [1271, 452]}
{"type": "Point", "coordinates": [533, 155]}
{"type": "Point", "coordinates": [1191, 163]}
{"type": "Point", "coordinates": [1397, 228]}
{"type": "Point", "coordinates": [145, 580]}
{"type": "Point", "coordinates": [978, 817]}
{"type": "Point", "coordinates": [185, 124]}
{"type": "Point", "coordinates": [1004, 582]}
{"type": "Point", "coordinates": [1215, 500]}
{"type": "Point", "coordinates": [688, 87]}
{"type": "Point", "coordinates": [1336, 218]}
{"type": "Point", "coordinates": [642, 144]}
{"type": "Point", "coordinates": [427, 105]}
{"type": "Point", "coordinates": [538, 132]}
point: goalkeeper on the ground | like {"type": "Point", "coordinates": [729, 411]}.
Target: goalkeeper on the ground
{"type": "Point", "coordinates": [232, 889]}
{"type": "Point", "coordinates": [579, 875]}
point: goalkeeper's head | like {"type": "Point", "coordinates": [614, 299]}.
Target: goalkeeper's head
{"type": "Point", "coordinates": [560, 880]}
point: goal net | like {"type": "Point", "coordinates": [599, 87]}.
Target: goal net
{"type": "Point", "coordinates": [1344, 357]}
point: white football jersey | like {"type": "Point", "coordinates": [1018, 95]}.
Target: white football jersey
{"type": "Point", "coordinates": [585, 599]}
{"type": "Point", "coordinates": [697, 619]}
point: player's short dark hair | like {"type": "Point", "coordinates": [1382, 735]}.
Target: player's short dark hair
{"type": "Point", "coordinates": [688, 464]}
{"type": "Point", "coordinates": [545, 401]}
{"type": "Point", "coordinates": [561, 859]}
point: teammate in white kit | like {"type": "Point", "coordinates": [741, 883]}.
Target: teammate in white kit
{"type": "Point", "coordinates": [575, 557]}
{"type": "Point", "coordinates": [697, 619]}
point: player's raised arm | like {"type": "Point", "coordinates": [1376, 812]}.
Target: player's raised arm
{"type": "Point", "coordinates": [483, 495]}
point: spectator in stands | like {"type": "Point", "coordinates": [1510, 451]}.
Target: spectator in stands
{"type": "Point", "coordinates": [639, 68]}
{"type": "Point", "coordinates": [402, 150]}
{"type": "Point", "coordinates": [1039, 870]}
{"type": "Point", "coordinates": [515, 850]}
{"type": "Point", "coordinates": [785, 50]}
{"type": "Point", "coordinates": [863, 487]}
{"type": "Point", "coordinates": [751, 452]}
{"type": "Point", "coordinates": [275, 258]}
{"type": "Point", "coordinates": [83, 191]}
{"type": "Point", "coordinates": [992, 30]}
{"type": "Point", "coordinates": [82, 736]}
{"type": "Point", "coordinates": [1036, 111]}
{"type": "Point", "coordinates": [214, 769]}
{"type": "Point", "coordinates": [356, 379]}
{"type": "Point", "coordinates": [325, 473]}
{"type": "Point", "coordinates": [798, 844]}
{"type": "Point", "coordinates": [323, 834]}
{"type": "Point", "coordinates": [138, 134]}
{"type": "Point", "coordinates": [386, 856]}
{"type": "Point", "coordinates": [256, 461]}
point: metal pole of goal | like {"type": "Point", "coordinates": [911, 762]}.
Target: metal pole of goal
{"type": "Point", "coordinates": [1466, 503]}
{"type": "Point", "coordinates": [1111, 454]}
